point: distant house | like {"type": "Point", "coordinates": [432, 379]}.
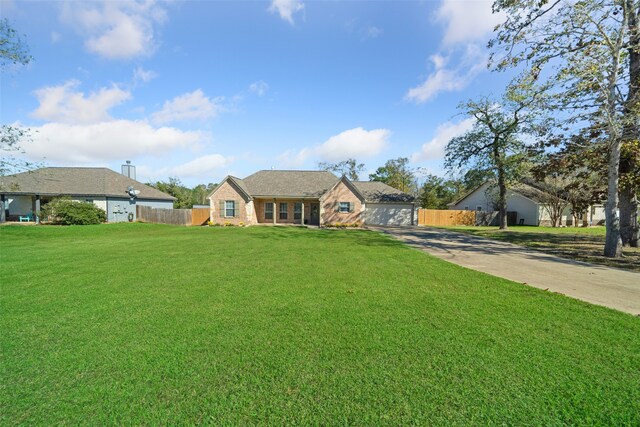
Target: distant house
{"type": "Point", "coordinates": [25, 193]}
{"type": "Point", "coordinates": [308, 197]}
{"type": "Point", "coordinates": [525, 202]}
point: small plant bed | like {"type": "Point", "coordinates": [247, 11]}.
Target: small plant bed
{"type": "Point", "coordinates": [147, 324]}
{"type": "Point", "coordinates": [578, 243]}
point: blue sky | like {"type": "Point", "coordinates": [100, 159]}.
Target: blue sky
{"type": "Point", "coordinates": [201, 89]}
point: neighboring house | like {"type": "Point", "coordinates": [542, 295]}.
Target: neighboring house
{"type": "Point", "coordinates": [526, 201]}
{"type": "Point", "coordinates": [308, 197]}
{"type": "Point", "coordinates": [25, 193]}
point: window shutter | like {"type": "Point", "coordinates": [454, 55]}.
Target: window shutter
{"type": "Point", "coordinates": [236, 208]}
{"type": "Point", "coordinates": [222, 210]}
{"type": "Point", "coordinates": [352, 206]}
{"type": "Point", "coordinates": [337, 206]}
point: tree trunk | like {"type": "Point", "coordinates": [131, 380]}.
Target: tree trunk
{"type": "Point", "coordinates": [613, 242]}
{"type": "Point", "coordinates": [502, 200]}
{"type": "Point", "coordinates": [629, 227]}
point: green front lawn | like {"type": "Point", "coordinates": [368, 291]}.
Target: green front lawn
{"type": "Point", "coordinates": [579, 243]}
{"type": "Point", "coordinates": [148, 324]}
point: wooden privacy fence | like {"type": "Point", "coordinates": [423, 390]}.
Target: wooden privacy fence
{"type": "Point", "coordinates": [197, 216]}
{"type": "Point", "coordinates": [437, 217]}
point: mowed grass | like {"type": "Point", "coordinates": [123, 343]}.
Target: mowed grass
{"type": "Point", "coordinates": [579, 243]}
{"type": "Point", "coordinates": [149, 324]}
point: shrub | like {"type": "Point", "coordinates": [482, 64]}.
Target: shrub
{"type": "Point", "coordinates": [70, 212]}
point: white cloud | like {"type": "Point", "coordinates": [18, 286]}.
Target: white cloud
{"type": "Point", "coordinates": [190, 106]}
{"type": "Point", "coordinates": [140, 75]}
{"type": "Point", "coordinates": [65, 104]}
{"type": "Point", "coordinates": [434, 149]}
{"type": "Point", "coordinates": [116, 30]}
{"type": "Point", "coordinates": [467, 21]}
{"type": "Point", "coordinates": [286, 8]}
{"type": "Point", "coordinates": [467, 25]}
{"type": "Point", "coordinates": [259, 88]}
{"type": "Point", "coordinates": [107, 141]}
{"type": "Point", "coordinates": [204, 166]}
{"type": "Point", "coordinates": [55, 37]}
{"type": "Point", "coordinates": [353, 143]}
{"type": "Point", "coordinates": [445, 78]}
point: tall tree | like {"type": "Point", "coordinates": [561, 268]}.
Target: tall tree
{"type": "Point", "coordinates": [349, 168]}
{"type": "Point", "coordinates": [437, 193]}
{"type": "Point", "coordinates": [13, 51]}
{"type": "Point", "coordinates": [587, 52]}
{"type": "Point", "coordinates": [398, 174]}
{"type": "Point", "coordinates": [494, 142]}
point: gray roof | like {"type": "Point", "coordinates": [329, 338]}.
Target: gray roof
{"type": "Point", "coordinates": [529, 189]}
{"type": "Point", "coordinates": [533, 192]}
{"type": "Point", "coordinates": [289, 183]}
{"type": "Point", "coordinates": [379, 192]}
{"type": "Point", "coordinates": [70, 181]}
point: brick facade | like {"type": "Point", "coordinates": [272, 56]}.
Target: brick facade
{"type": "Point", "coordinates": [245, 212]}
{"type": "Point", "coordinates": [329, 204]}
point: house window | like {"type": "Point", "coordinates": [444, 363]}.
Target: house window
{"type": "Point", "coordinates": [229, 208]}
{"type": "Point", "coordinates": [268, 210]}
{"type": "Point", "coordinates": [344, 207]}
{"type": "Point", "coordinates": [284, 211]}
{"type": "Point", "coordinates": [297, 211]}
{"type": "Point", "coordinates": [478, 208]}
{"type": "Point", "coordinates": [466, 208]}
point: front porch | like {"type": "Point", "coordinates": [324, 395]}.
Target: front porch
{"type": "Point", "coordinates": [21, 208]}
{"type": "Point", "coordinates": [285, 211]}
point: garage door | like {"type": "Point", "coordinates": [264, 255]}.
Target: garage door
{"type": "Point", "coordinates": [388, 214]}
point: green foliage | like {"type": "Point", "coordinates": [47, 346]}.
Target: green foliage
{"type": "Point", "coordinates": [349, 168]}
{"type": "Point", "coordinates": [398, 174]}
{"type": "Point", "coordinates": [69, 212]}
{"type": "Point", "coordinates": [185, 197]}
{"type": "Point", "coordinates": [150, 324]}
{"type": "Point", "coordinates": [437, 193]}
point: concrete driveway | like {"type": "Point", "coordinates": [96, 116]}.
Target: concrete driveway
{"type": "Point", "coordinates": [610, 287]}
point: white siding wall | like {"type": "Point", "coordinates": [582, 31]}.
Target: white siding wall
{"type": "Point", "coordinates": [526, 208]}
{"type": "Point", "coordinates": [20, 205]}
{"type": "Point", "coordinates": [475, 199]}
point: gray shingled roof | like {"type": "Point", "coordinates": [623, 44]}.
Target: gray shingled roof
{"type": "Point", "coordinates": [379, 192]}
{"type": "Point", "coordinates": [70, 181]}
{"type": "Point", "coordinates": [289, 183]}
{"type": "Point", "coordinates": [529, 191]}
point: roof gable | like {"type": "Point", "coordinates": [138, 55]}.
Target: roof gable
{"type": "Point", "coordinates": [69, 181]}
{"type": "Point", "coordinates": [237, 184]}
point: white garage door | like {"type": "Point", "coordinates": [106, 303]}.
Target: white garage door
{"type": "Point", "coordinates": [388, 214]}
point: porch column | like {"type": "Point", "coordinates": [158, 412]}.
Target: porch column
{"type": "Point", "coordinates": [4, 213]}
{"type": "Point", "coordinates": [275, 212]}
{"type": "Point", "coordinates": [36, 212]}
{"type": "Point", "coordinates": [302, 213]}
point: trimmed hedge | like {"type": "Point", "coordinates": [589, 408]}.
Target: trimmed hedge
{"type": "Point", "coordinates": [70, 212]}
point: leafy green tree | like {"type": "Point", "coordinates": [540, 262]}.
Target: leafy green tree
{"type": "Point", "coordinates": [495, 142]}
{"type": "Point", "coordinates": [175, 188]}
{"type": "Point", "coordinates": [398, 174]}
{"type": "Point", "coordinates": [587, 53]}
{"type": "Point", "coordinates": [437, 192]}
{"type": "Point", "coordinates": [349, 168]}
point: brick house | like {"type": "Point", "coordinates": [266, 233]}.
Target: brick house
{"type": "Point", "coordinates": [307, 197]}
